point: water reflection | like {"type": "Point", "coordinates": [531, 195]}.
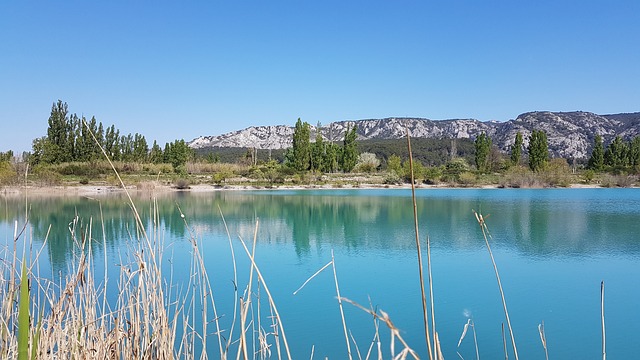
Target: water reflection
{"type": "Point", "coordinates": [535, 223]}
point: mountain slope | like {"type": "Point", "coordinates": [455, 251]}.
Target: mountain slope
{"type": "Point", "coordinates": [570, 134]}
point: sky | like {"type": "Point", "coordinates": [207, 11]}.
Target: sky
{"type": "Point", "coordinates": [181, 69]}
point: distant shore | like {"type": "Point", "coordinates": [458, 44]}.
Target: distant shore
{"type": "Point", "coordinates": [93, 190]}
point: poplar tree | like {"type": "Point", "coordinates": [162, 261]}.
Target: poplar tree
{"type": "Point", "coordinates": [516, 149]}
{"type": "Point", "coordinates": [538, 150]}
{"type": "Point", "coordinates": [301, 150]}
{"type": "Point", "coordinates": [482, 147]}
{"type": "Point", "coordinates": [55, 145]}
{"type": "Point", "coordinates": [349, 149]}
{"type": "Point", "coordinates": [318, 150]}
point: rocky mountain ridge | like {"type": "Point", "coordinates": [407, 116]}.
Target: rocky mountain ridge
{"type": "Point", "coordinates": [569, 134]}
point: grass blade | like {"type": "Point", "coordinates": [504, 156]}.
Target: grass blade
{"type": "Point", "coordinates": [23, 315]}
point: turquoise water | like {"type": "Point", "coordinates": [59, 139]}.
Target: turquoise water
{"type": "Point", "coordinates": [553, 247]}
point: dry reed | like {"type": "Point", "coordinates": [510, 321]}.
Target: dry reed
{"type": "Point", "coordinates": [425, 316]}
{"type": "Point", "coordinates": [485, 234]}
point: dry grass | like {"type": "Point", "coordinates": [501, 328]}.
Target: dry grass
{"type": "Point", "coordinates": [212, 168]}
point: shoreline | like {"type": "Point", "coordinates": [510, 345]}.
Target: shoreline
{"type": "Point", "coordinates": [93, 190]}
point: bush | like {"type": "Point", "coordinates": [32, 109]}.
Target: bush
{"type": "Point", "coordinates": [84, 181]}
{"type": "Point", "coordinates": [8, 175]}
{"type": "Point", "coordinates": [622, 181]}
{"type": "Point", "coordinates": [367, 162]}
{"type": "Point", "coordinates": [519, 177]}
{"type": "Point", "coordinates": [454, 168]}
{"type": "Point", "coordinates": [588, 176]}
{"type": "Point", "coordinates": [182, 184]}
{"type": "Point", "coordinates": [467, 178]}
{"type": "Point", "coordinates": [47, 177]}
{"type": "Point", "coordinates": [391, 178]}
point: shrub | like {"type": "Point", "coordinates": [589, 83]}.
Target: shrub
{"type": "Point", "coordinates": [467, 178]}
{"type": "Point", "coordinates": [84, 181]}
{"type": "Point", "coordinates": [182, 184]}
{"type": "Point", "coordinates": [367, 162]}
{"type": "Point", "coordinates": [8, 174]}
{"type": "Point", "coordinates": [391, 178]}
{"type": "Point", "coordinates": [47, 177]}
{"type": "Point", "coordinates": [588, 176]}
{"type": "Point", "coordinates": [454, 168]}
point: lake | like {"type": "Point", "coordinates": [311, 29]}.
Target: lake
{"type": "Point", "coordinates": [553, 247]}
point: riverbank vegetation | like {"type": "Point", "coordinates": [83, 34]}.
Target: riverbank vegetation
{"type": "Point", "coordinates": [68, 156]}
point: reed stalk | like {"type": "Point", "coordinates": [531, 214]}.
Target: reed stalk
{"type": "Point", "coordinates": [604, 337]}
{"type": "Point", "coordinates": [425, 317]}
{"type": "Point", "coordinates": [485, 231]}
{"type": "Point", "coordinates": [271, 301]}
{"type": "Point", "coordinates": [543, 339]}
{"type": "Point", "coordinates": [344, 323]}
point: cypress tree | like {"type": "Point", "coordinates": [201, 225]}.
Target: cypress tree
{"type": "Point", "coordinates": [596, 161]}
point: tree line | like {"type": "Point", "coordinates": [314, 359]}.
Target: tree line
{"type": "Point", "coordinates": [74, 139]}
{"type": "Point", "coordinates": [321, 156]}
{"type": "Point", "coordinates": [618, 156]}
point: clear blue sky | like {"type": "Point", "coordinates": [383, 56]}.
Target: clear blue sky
{"type": "Point", "coordinates": [180, 69]}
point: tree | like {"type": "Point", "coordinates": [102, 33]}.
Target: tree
{"type": "Point", "coordinates": [596, 161]}
{"type": "Point", "coordinates": [634, 152]}
{"type": "Point", "coordinates": [538, 150]}
{"type": "Point", "coordinates": [516, 149]}
{"type": "Point", "coordinates": [177, 153]}
{"type": "Point", "coordinates": [155, 156]}
{"type": "Point", "coordinates": [617, 153]}
{"type": "Point", "coordinates": [140, 148]}
{"type": "Point", "coordinates": [349, 149]}
{"type": "Point", "coordinates": [301, 149]}
{"type": "Point", "coordinates": [394, 164]}
{"type": "Point", "coordinates": [112, 143]}
{"type": "Point", "coordinates": [56, 148]}
{"type": "Point", "coordinates": [330, 158]}
{"type": "Point", "coordinates": [318, 150]}
{"type": "Point", "coordinates": [482, 147]}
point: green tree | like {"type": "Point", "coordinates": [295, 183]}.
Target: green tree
{"type": "Point", "coordinates": [483, 147]}
{"type": "Point", "coordinates": [140, 148]}
{"type": "Point", "coordinates": [177, 153]}
{"type": "Point", "coordinates": [634, 152]}
{"type": "Point", "coordinates": [97, 153]}
{"type": "Point", "coordinates": [331, 158]}
{"type": "Point", "coordinates": [538, 150]}
{"type": "Point", "coordinates": [126, 147]}
{"type": "Point", "coordinates": [394, 164]}
{"type": "Point", "coordinates": [349, 149]}
{"type": "Point", "coordinates": [55, 148]}
{"type": "Point", "coordinates": [112, 143]}
{"type": "Point", "coordinates": [516, 149]}
{"type": "Point", "coordinates": [155, 156]}
{"type": "Point", "coordinates": [596, 161]}
{"type": "Point", "coordinates": [617, 153]}
{"type": "Point", "coordinates": [318, 150]}
{"type": "Point", "coordinates": [301, 149]}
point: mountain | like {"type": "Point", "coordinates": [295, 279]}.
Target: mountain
{"type": "Point", "coordinates": [569, 134]}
